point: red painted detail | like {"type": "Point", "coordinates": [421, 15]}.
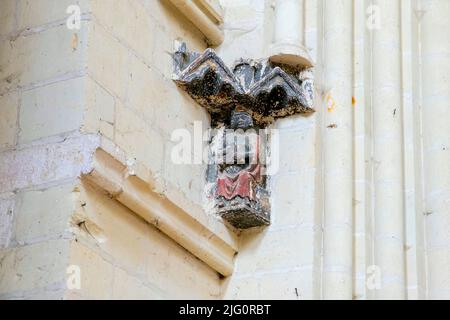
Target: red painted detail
{"type": "Point", "coordinates": [241, 184]}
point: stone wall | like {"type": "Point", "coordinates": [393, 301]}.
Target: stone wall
{"type": "Point", "coordinates": [380, 129]}
{"type": "Point", "coordinates": [42, 153]}
{"type": "Point", "coordinates": [60, 91]}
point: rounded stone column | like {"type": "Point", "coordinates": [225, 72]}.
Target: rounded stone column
{"type": "Point", "coordinates": [287, 46]}
{"type": "Point", "coordinates": [435, 58]}
{"type": "Point", "coordinates": [338, 150]}
{"type": "Point", "coordinates": [387, 162]}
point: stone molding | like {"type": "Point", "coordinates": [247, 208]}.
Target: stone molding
{"type": "Point", "coordinates": [112, 177]}
{"type": "Point", "coordinates": [206, 15]}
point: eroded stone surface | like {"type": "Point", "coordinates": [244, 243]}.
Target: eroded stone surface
{"type": "Point", "coordinates": [45, 163]}
{"type": "Point", "coordinates": [245, 98]}
{"type": "Point", "coordinates": [263, 89]}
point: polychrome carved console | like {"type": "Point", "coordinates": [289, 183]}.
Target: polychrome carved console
{"type": "Point", "coordinates": [242, 102]}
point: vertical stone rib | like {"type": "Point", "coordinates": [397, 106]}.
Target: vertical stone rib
{"type": "Point", "coordinates": [289, 21]}
{"type": "Point", "coordinates": [412, 221]}
{"type": "Point", "coordinates": [435, 41]}
{"type": "Point", "coordinates": [338, 150]}
{"type": "Point", "coordinates": [289, 34]}
{"type": "Point", "coordinates": [387, 152]}
{"type": "Point", "coordinates": [360, 149]}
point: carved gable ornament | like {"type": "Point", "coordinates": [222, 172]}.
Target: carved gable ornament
{"type": "Point", "coordinates": [242, 102]}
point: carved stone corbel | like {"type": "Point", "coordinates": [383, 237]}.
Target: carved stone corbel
{"type": "Point", "coordinates": [241, 100]}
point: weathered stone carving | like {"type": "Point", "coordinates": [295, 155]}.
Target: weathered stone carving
{"type": "Point", "coordinates": [241, 100]}
{"type": "Point", "coordinates": [238, 182]}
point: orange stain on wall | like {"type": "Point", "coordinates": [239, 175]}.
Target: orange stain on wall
{"type": "Point", "coordinates": [331, 104]}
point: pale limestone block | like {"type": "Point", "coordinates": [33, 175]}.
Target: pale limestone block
{"type": "Point", "coordinates": [332, 189]}
{"type": "Point", "coordinates": [53, 291]}
{"type": "Point", "coordinates": [389, 262]}
{"type": "Point", "coordinates": [187, 178]}
{"type": "Point", "coordinates": [148, 29]}
{"type": "Point", "coordinates": [38, 12]}
{"type": "Point", "coordinates": [138, 139]}
{"type": "Point", "coordinates": [174, 22]}
{"type": "Point", "coordinates": [234, 288]}
{"type": "Point", "coordinates": [44, 213]}
{"type": "Point", "coordinates": [390, 291]}
{"type": "Point", "coordinates": [74, 295]}
{"type": "Point", "coordinates": [360, 158]}
{"type": "Point", "coordinates": [439, 283]}
{"type": "Point", "coordinates": [339, 236]}
{"type": "Point", "coordinates": [108, 61]}
{"type": "Point", "coordinates": [111, 15]}
{"type": "Point", "coordinates": [165, 38]}
{"type": "Point", "coordinates": [360, 285]}
{"type": "Point", "coordinates": [184, 278]}
{"type": "Point", "coordinates": [161, 58]}
{"type": "Point", "coordinates": [435, 147]}
{"type": "Point", "coordinates": [9, 104]}
{"type": "Point", "coordinates": [336, 282]}
{"type": "Point", "coordinates": [51, 110]}
{"type": "Point", "coordinates": [34, 266]}
{"type": "Point", "coordinates": [7, 208]}
{"type": "Point", "coordinates": [113, 228]}
{"type": "Point", "coordinates": [134, 167]}
{"type": "Point", "coordinates": [435, 67]}
{"type": "Point", "coordinates": [360, 206]}
{"type": "Point", "coordinates": [96, 274]}
{"type": "Point", "coordinates": [174, 195]}
{"type": "Point", "coordinates": [129, 22]}
{"type": "Point", "coordinates": [292, 285]}
{"type": "Point", "coordinates": [435, 23]}
{"type": "Point", "coordinates": [147, 91]}
{"type": "Point", "coordinates": [44, 294]}
{"type": "Point", "coordinates": [293, 198]}
{"type": "Point", "coordinates": [55, 52]}
{"type": "Point", "coordinates": [337, 150]}
{"type": "Point", "coordinates": [192, 201]}
{"type": "Point", "coordinates": [99, 113]}
{"type": "Point", "coordinates": [280, 249]}
{"type": "Point", "coordinates": [40, 164]}
{"type": "Point", "coordinates": [296, 121]}
{"type": "Point", "coordinates": [159, 100]}
{"type": "Point", "coordinates": [244, 24]}
{"type": "Point", "coordinates": [176, 110]}
{"type": "Point", "coordinates": [360, 265]}
{"type": "Point", "coordinates": [127, 287]}
{"type": "Point", "coordinates": [142, 251]}
{"type": "Point", "coordinates": [47, 293]}
{"type": "Point", "coordinates": [438, 171]}
{"type": "Point", "coordinates": [438, 223]}
{"type": "Point", "coordinates": [8, 74]}
{"type": "Point", "coordinates": [387, 150]}
{"type": "Point", "coordinates": [296, 150]}
{"type": "Point", "coordinates": [7, 14]}
{"type": "Point", "coordinates": [182, 114]}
